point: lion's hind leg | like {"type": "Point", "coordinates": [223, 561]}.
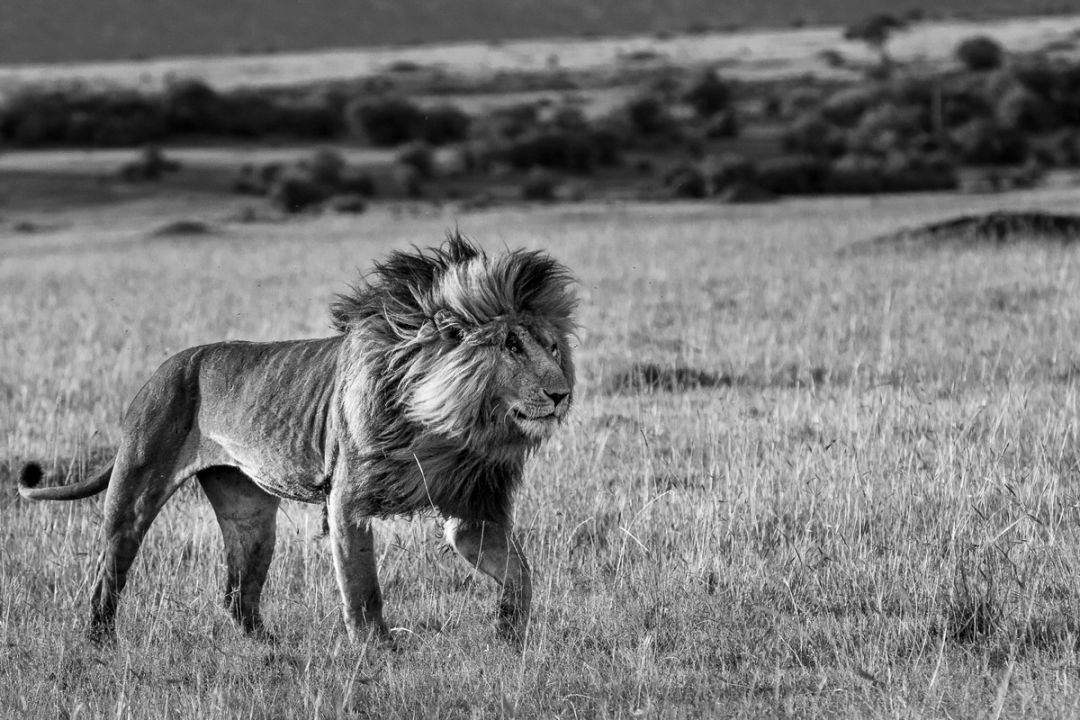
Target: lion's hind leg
{"type": "Point", "coordinates": [137, 492]}
{"type": "Point", "coordinates": [247, 515]}
{"type": "Point", "coordinates": [493, 550]}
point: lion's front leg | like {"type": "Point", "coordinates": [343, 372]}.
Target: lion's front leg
{"type": "Point", "coordinates": [493, 550]}
{"type": "Point", "coordinates": [353, 545]}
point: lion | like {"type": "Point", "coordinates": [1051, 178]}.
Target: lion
{"type": "Point", "coordinates": [448, 369]}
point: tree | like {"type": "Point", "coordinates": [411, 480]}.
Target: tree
{"type": "Point", "coordinates": [875, 31]}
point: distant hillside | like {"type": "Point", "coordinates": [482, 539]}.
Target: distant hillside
{"type": "Point", "coordinates": [37, 31]}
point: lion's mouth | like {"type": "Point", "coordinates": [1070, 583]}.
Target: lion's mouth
{"type": "Point", "coordinates": [523, 416]}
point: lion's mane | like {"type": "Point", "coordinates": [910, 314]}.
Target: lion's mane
{"type": "Point", "coordinates": [423, 330]}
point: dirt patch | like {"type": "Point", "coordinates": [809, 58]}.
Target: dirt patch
{"type": "Point", "coordinates": [184, 229]}
{"type": "Point", "coordinates": [993, 228]}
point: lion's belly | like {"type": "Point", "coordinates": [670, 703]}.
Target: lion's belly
{"type": "Point", "coordinates": [289, 478]}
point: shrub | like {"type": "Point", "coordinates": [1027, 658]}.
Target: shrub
{"type": "Point", "coordinates": [444, 124]}
{"type": "Point", "coordinates": [405, 181]}
{"type": "Point", "coordinates": [846, 107]}
{"type": "Point", "coordinates": [1022, 109]}
{"type": "Point", "coordinates": [856, 174]}
{"type": "Point", "coordinates": [150, 165]}
{"type": "Point", "coordinates": [515, 120]}
{"type": "Point", "coordinates": [886, 127]}
{"type": "Point", "coordinates": [311, 119]}
{"type": "Point", "coordinates": [811, 134]}
{"type": "Point", "coordinates": [569, 117]}
{"type": "Point", "coordinates": [920, 172]}
{"type": "Point", "coordinates": [540, 185]}
{"type": "Point", "coordinates": [649, 115]}
{"type": "Point", "coordinates": [325, 166]}
{"type": "Point", "coordinates": [724, 124]}
{"type": "Point", "coordinates": [730, 169]}
{"type": "Point", "coordinates": [607, 143]}
{"type": "Point", "coordinates": [295, 189]}
{"type": "Point", "coordinates": [985, 142]}
{"type": "Point", "coordinates": [708, 95]}
{"type": "Point", "coordinates": [192, 107]}
{"type": "Point", "coordinates": [797, 174]}
{"type": "Point", "coordinates": [387, 122]}
{"type": "Point", "coordinates": [357, 182]}
{"type": "Point", "coordinates": [247, 181]}
{"type": "Point", "coordinates": [395, 121]}
{"type": "Point", "coordinates": [420, 156]}
{"type": "Point", "coordinates": [562, 150]}
{"type": "Point", "coordinates": [963, 102]}
{"type": "Point", "coordinates": [249, 114]}
{"type": "Point", "coordinates": [687, 181]}
{"type": "Point", "coordinates": [980, 52]}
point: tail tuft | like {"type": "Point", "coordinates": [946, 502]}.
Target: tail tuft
{"type": "Point", "coordinates": [31, 475]}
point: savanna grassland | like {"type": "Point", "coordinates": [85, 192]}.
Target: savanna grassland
{"type": "Point", "coordinates": [870, 509]}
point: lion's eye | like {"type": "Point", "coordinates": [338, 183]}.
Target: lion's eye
{"type": "Point", "coordinates": [513, 343]}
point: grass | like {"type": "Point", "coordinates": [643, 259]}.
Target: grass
{"type": "Point", "coordinates": [876, 517]}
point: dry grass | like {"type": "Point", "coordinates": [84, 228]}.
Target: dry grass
{"type": "Point", "coordinates": [876, 517]}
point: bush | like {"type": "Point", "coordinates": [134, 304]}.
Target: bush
{"type": "Point", "coordinates": [708, 95]}
{"type": "Point", "coordinates": [514, 120]}
{"type": "Point", "coordinates": [920, 172]}
{"type": "Point", "coordinates": [728, 170]}
{"type": "Point", "coordinates": [722, 125]}
{"type": "Point", "coordinates": [797, 174]}
{"type": "Point", "coordinates": [856, 174]}
{"type": "Point", "coordinates": [1023, 110]}
{"type": "Point", "coordinates": [355, 181]}
{"type": "Point", "coordinates": [561, 150]}
{"type": "Point", "coordinates": [420, 156]}
{"type": "Point", "coordinates": [192, 107]}
{"type": "Point", "coordinates": [150, 165]}
{"type": "Point", "coordinates": [326, 166]}
{"type": "Point", "coordinates": [388, 122]}
{"type": "Point", "coordinates": [980, 52]}
{"type": "Point", "coordinates": [985, 142]}
{"type": "Point", "coordinates": [811, 134]}
{"type": "Point", "coordinates": [295, 189]}
{"type": "Point", "coordinates": [649, 115]}
{"type": "Point", "coordinates": [569, 117]}
{"type": "Point", "coordinates": [405, 181]}
{"type": "Point", "coordinates": [887, 127]}
{"type": "Point", "coordinates": [395, 121]}
{"type": "Point", "coordinates": [247, 181]}
{"type": "Point", "coordinates": [444, 124]}
{"type": "Point", "coordinates": [846, 107]}
{"type": "Point", "coordinates": [540, 185]}
{"type": "Point", "coordinates": [964, 101]}
{"type": "Point", "coordinates": [35, 117]}
{"type": "Point", "coordinates": [687, 181]}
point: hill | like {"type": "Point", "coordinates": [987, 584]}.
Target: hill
{"type": "Point", "coordinates": [127, 29]}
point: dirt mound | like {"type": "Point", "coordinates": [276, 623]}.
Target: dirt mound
{"type": "Point", "coordinates": [999, 227]}
{"type": "Point", "coordinates": [184, 228]}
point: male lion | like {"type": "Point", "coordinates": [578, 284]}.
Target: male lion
{"type": "Point", "coordinates": [449, 368]}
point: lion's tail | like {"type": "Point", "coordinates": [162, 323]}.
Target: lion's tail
{"type": "Point", "coordinates": [32, 474]}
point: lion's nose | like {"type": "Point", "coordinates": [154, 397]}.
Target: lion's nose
{"type": "Point", "coordinates": [556, 397]}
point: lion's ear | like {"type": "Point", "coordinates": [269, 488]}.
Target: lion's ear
{"type": "Point", "coordinates": [449, 325]}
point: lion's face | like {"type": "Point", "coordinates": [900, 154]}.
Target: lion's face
{"type": "Point", "coordinates": [509, 381]}
{"type": "Point", "coordinates": [533, 383]}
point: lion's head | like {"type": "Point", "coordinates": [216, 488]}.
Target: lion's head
{"type": "Point", "coordinates": [463, 356]}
